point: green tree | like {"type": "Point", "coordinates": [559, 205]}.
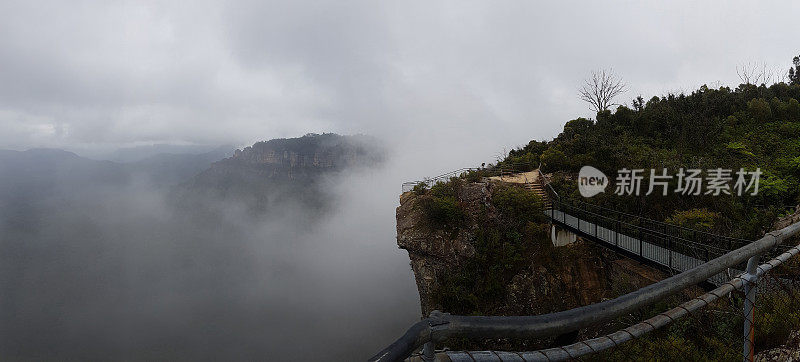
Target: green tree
{"type": "Point", "coordinates": [794, 72]}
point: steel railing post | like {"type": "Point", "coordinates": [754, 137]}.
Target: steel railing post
{"type": "Point", "coordinates": [750, 290]}
{"type": "Point", "coordinates": [640, 238]}
{"type": "Point", "coordinates": [669, 250]}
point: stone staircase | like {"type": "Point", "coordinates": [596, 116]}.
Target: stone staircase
{"type": "Point", "coordinates": [537, 186]}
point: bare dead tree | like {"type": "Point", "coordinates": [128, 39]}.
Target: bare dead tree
{"type": "Point", "coordinates": [746, 73]}
{"type": "Point", "coordinates": [759, 73]}
{"type": "Point", "coordinates": [779, 75]}
{"type": "Point", "coordinates": [499, 157]}
{"type": "Point", "coordinates": [600, 89]}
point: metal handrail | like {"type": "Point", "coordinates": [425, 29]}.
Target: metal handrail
{"type": "Point", "coordinates": [491, 171]}
{"type": "Point", "coordinates": [442, 177]}
{"type": "Point", "coordinates": [653, 231]}
{"type": "Point", "coordinates": [740, 242]}
{"type": "Point", "coordinates": [546, 183]}
{"type": "Point", "coordinates": [550, 189]}
{"type": "Point", "coordinates": [611, 340]}
{"type": "Point", "coordinates": [439, 327]}
{"type": "Point", "coordinates": [732, 241]}
{"type": "Point", "coordinates": [662, 223]}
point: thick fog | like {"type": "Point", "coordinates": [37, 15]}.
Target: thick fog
{"type": "Point", "coordinates": [96, 270]}
{"type": "Point", "coordinates": [108, 272]}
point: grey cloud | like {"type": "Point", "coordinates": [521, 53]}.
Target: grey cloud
{"type": "Point", "coordinates": [445, 84]}
{"type": "Point", "coordinates": [235, 72]}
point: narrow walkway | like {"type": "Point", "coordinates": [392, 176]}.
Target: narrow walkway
{"type": "Point", "coordinates": [652, 242]}
{"type": "Point", "coordinates": [671, 259]}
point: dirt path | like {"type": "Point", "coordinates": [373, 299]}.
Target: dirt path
{"type": "Point", "coordinates": [520, 178]}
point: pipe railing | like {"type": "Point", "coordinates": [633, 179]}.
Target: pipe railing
{"type": "Point", "coordinates": [655, 224]}
{"type": "Point", "coordinates": [717, 246]}
{"type": "Point", "coordinates": [440, 327]}
{"type": "Point", "coordinates": [615, 339]}
{"type": "Point", "coordinates": [486, 171]}
{"type": "Point", "coordinates": [551, 192]}
{"type": "Point", "coordinates": [674, 253]}
{"type": "Point", "coordinates": [640, 220]}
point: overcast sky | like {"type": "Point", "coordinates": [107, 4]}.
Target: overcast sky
{"type": "Point", "coordinates": [426, 75]}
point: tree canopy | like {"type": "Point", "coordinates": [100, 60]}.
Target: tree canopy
{"type": "Point", "coordinates": [746, 127]}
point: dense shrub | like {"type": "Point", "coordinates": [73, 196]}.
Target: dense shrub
{"type": "Point", "coordinates": [441, 207]}
{"type": "Point", "coordinates": [518, 205]}
{"type": "Point", "coordinates": [475, 175]}
{"type": "Point", "coordinates": [554, 159]}
{"type": "Point", "coordinates": [420, 189]}
{"type": "Point", "coordinates": [443, 212]}
{"type": "Point", "coordinates": [759, 110]}
{"type": "Point", "coordinates": [700, 219]}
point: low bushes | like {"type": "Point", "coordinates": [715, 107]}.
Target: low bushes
{"type": "Point", "coordinates": [440, 205]}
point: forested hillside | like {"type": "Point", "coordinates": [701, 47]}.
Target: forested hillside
{"type": "Point", "coordinates": [748, 127]}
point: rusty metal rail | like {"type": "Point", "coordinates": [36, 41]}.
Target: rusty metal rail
{"type": "Point", "coordinates": [440, 327]}
{"type": "Point", "coordinates": [637, 330]}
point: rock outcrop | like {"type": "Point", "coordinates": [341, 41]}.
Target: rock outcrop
{"type": "Point", "coordinates": [789, 352]}
{"type": "Point", "coordinates": [555, 278]}
{"type": "Point", "coordinates": [298, 159]}
{"type": "Point", "coordinates": [269, 175]}
{"type": "Point", "coordinates": [312, 151]}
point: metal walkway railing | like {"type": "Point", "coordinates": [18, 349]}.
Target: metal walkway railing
{"type": "Point", "coordinates": [440, 327]}
{"type": "Point", "coordinates": [673, 247]}
{"type": "Point", "coordinates": [744, 282]}
{"type": "Point", "coordinates": [708, 258]}
{"type": "Point", "coordinates": [656, 247]}
{"type": "Point", "coordinates": [505, 169]}
{"type": "Point", "coordinates": [663, 254]}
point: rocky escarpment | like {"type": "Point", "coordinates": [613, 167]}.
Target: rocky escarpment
{"type": "Point", "coordinates": [271, 175]}
{"type": "Point", "coordinates": [297, 159]}
{"type": "Point", "coordinates": [312, 151]}
{"type": "Point", "coordinates": [548, 279]}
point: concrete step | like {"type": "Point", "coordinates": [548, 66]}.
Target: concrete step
{"type": "Point", "coordinates": [538, 189]}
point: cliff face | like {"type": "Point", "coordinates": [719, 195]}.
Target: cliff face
{"type": "Point", "coordinates": [312, 151]}
{"type": "Point", "coordinates": [551, 279]}
{"type": "Point", "coordinates": [298, 159]}
{"type": "Point", "coordinates": [268, 175]}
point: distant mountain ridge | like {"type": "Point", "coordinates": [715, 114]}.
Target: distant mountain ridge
{"type": "Point", "coordinates": [144, 153]}
{"type": "Point", "coordinates": [272, 174]}
{"type": "Point", "coordinates": [264, 175]}
{"type": "Point", "coordinates": [313, 150]}
{"type": "Point", "coordinates": [43, 172]}
{"type": "Point", "coordinates": [300, 159]}
{"type": "Point", "coordinates": [36, 174]}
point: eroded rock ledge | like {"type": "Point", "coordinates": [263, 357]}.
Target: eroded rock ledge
{"type": "Point", "coordinates": [555, 278]}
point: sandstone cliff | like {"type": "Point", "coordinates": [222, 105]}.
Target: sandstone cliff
{"type": "Point", "coordinates": [274, 174]}
{"type": "Point", "coordinates": [312, 151]}
{"type": "Point", "coordinates": [548, 279]}
{"type": "Point", "coordinates": [301, 160]}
